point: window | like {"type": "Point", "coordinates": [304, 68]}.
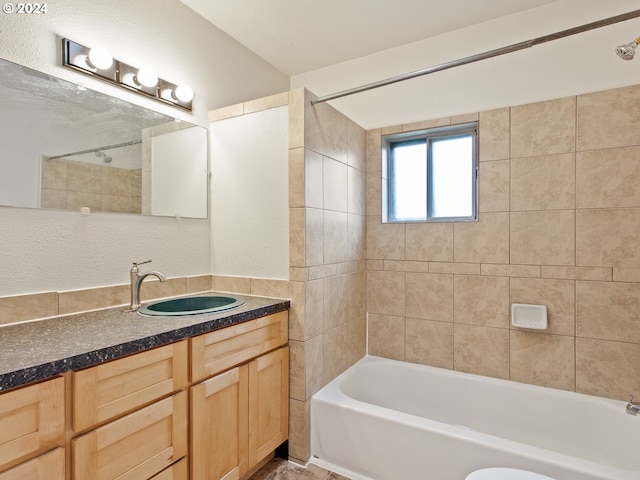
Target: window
{"type": "Point", "coordinates": [431, 175]}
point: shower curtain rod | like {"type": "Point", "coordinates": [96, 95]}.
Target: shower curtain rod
{"type": "Point", "coordinates": [482, 56]}
{"type": "Point", "coordinates": [97, 149]}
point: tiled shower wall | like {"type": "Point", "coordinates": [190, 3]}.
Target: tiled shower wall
{"type": "Point", "coordinates": [327, 254]}
{"type": "Point", "coordinates": [559, 225]}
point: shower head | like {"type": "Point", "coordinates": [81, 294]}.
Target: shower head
{"type": "Point", "coordinates": [628, 50]}
{"type": "Point", "coordinates": [105, 158]}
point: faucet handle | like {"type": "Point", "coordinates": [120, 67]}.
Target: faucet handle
{"type": "Point", "coordinates": [135, 264]}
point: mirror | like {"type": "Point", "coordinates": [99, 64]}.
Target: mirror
{"type": "Point", "coordinates": [63, 146]}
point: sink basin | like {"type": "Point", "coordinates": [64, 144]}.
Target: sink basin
{"type": "Point", "coordinates": [192, 305]}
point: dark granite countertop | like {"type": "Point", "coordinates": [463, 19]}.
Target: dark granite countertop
{"type": "Point", "coordinates": [34, 351]}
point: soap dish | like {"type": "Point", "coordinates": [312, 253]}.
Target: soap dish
{"type": "Point", "coordinates": [529, 316]}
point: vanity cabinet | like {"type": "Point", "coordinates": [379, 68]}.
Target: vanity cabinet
{"type": "Point", "coordinates": [136, 410]}
{"type": "Point", "coordinates": [32, 431]}
{"type": "Point", "coordinates": [239, 416]}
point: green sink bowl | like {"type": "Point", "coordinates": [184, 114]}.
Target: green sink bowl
{"type": "Point", "coordinates": [192, 306]}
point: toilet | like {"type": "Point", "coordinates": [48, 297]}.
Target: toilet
{"type": "Point", "coordinates": [505, 474]}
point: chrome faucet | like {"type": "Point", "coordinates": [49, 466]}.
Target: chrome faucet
{"type": "Point", "coordinates": [136, 282]}
{"type": "Point", "coordinates": [633, 407]}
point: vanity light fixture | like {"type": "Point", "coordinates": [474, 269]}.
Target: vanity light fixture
{"type": "Point", "coordinates": [99, 63]}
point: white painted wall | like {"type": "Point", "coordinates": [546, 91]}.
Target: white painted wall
{"type": "Point", "coordinates": [250, 195]}
{"type": "Point", "coordinates": [573, 65]}
{"type": "Point", "coordinates": [49, 250]}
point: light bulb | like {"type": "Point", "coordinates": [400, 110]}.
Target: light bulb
{"type": "Point", "coordinates": [146, 77]}
{"type": "Point", "coordinates": [100, 58]}
{"type": "Point", "coordinates": [184, 93]}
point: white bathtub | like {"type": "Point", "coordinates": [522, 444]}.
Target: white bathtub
{"type": "Point", "coordinates": [389, 420]}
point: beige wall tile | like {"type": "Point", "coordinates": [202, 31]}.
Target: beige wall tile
{"type": "Point", "coordinates": [335, 185]}
{"type": "Point", "coordinates": [356, 145]}
{"type": "Point", "coordinates": [336, 355]}
{"type": "Point", "coordinates": [103, 297]}
{"type": "Point", "coordinates": [53, 198]}
{"type": "Point", "coordinates": [373, 150]}
{"type": "Point", "coordinates": [265, 103]}
{"type": "Point", "coordinates": [270, 288]}
{"type": "Point", "coordinates": [323, 271]}
{"type": "Point", "coordinates": [314, 236]}
{"type": "Point", "coordinates": [543, 359]}
{"type": "Point", "coordinates": [543, 128]}
{"type": "Point", "coordinates": [543, 238]}
{"type": "Point", "coordinates": [423, 125]}
{"type": "Point", "coordinates": [429, 296]}
{"type": "Point", "coordinates": [608, 311]}
{"type": "Point", "coordinates": [77, 200]}
{"type": "Point", "coordinates": [356, 191]}
{"type": "Point", "coordinates": [543, 183]}
{"type": "Point", "coordinates": [200, 283]}
{"type": "Point", "coordinates": [357, 338]}
{"type": "Point", "coordinates": [484, 241]}
{"type": "Point", "coordinates": [608, 238]}
{"type": "Point", "coordinates": [608, 178]}
{"type": "Point", "coordinates": [54, 174]}
{"type": "Point", "coordinates": [296, 117]}
{"type": "Point", "coordinates": [336, 237]}
{"type": "Point", "coordinates": [464, 118]}
{"type": "Point", "coordinates": [231, 284]}
{"type": "Point", "coordinates": [314, 308]}
{"type": "Point", "coordinates": [297, 237]}
{"type": "Point", "coordinates": [481, 300]}
{"type": "Point", "coordinates": [429, 343]}
{"type": "Point", "coordinates": [493, 186]}
{"type": "Point", "coordinates": [386, 292]}
{"type": "Point", "coordinates": [557, 295]}
{"type": "Point", "coordinates": [385, 241]}
{"type": "Point", "coordinates": [455, 268]}
{"type": "Point", "coordinates": [226, 112]}
{"type": "Point", "coordinates": [297, 312]}
{"type": "Point", "coordinates": [313, 122]}
{"type": "Point", "coordinates": [577, 273]}
{"type": "Point", "coordinates": [297, 180]}
{"type": "Point", "coordinates": [405, 266]}
{"type": "Point", "coordinates": [493, 138]}
{"type": "Point", "coordinates": [115, 181]}
{"type": "Point", "coordinates": [297, 370]}
{"type": "Point", "coordinates": [532, 271]}
{"type": "Point", "coordinates": [357, 237]}
{"type": "Point", "coordinates": [375, 264]}
{"type": "Point", "coordinates": [314, 365]}
{"type": "Point", "coordinates": [151, 289]}
{"type": "Point", "coordinates": [374, 193]}
{"type": "Point", "coordinates": [429, 242]}
{"type": "Point", "coordinates": [299, 430]}
{"type": "Point", "coordinates": [336, 309]}
{"type": "Point", "coordinates": [386, 336]}
{"type": "Point", "coordinates": [84, 177]}
{"type": "Point", "coordinates": [357, 294]}
{"type": "Point", "coordinates": [313, 179]}
{"type": "Point", "coordinates": [623, 275]}
{"type": "Point", "coordinates": [28, 307]}
{"type": "Point", "coordinates": [607, 369]}
{"type": "Point", "coordinates": [335, 134]}
{"type": "Point", "coordinates": [481, 350]}
{"type": "Point", "coordinates": [604, 118]}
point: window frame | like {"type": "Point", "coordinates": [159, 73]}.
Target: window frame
{"type": "Point", "coordinates": [428, 135]}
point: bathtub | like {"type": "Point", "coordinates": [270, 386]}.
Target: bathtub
{"type": "Point", "coordinates": [388, 420]}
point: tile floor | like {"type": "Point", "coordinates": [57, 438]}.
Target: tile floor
{"type": "Point", "coordinates": [280, 469]}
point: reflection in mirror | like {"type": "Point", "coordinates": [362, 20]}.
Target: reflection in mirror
{"type": "Point", "coordinates": [63, 146]}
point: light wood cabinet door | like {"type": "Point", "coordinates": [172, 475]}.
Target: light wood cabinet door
{"type": "Point", "coordinates": [222, 349]}
{"type": "Point", "coordinates": [136, 446]}
{"type": "Point", "coordinates": [268, 403]}
{"type": "Point", "coordinates": [177, 471]}
{"type": "Point", "coordinates": [49, 466]}
{"type": "Point", "coordinates": [219, 427]}
{"type": "Point", "coordinates": [31, 420]}
{"type": "Point", "coordinates": [114, 388]}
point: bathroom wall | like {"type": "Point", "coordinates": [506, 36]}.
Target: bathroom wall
{"type": "Point", "coordinates": [60, 251]}
{"type": "Point", "coordinates": [326, 278]}
{"type": "Point", "coordinates": [559, 219]}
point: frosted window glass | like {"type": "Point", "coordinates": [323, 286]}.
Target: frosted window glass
{"type": "Point", "coordinates": [451, 177]}
{"type": "Point", "coordinates": [409, 177]}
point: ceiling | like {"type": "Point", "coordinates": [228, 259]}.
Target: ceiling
{"type": "Point", "coordinates": [298, 36]}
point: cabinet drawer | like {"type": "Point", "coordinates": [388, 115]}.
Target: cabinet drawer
{"type": "Point", "coordinates": [177, 471]}
{"type": "Point", "coordinates": [49, 466]}
{"type": "Point", "coordinates": [136, 446]}
{"type": "Point", "coordinates": [222, 349]}
{"type": "Point", "coordinates": [111, 389]}
{"type": "Point", "coordinates": [31, 420]}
